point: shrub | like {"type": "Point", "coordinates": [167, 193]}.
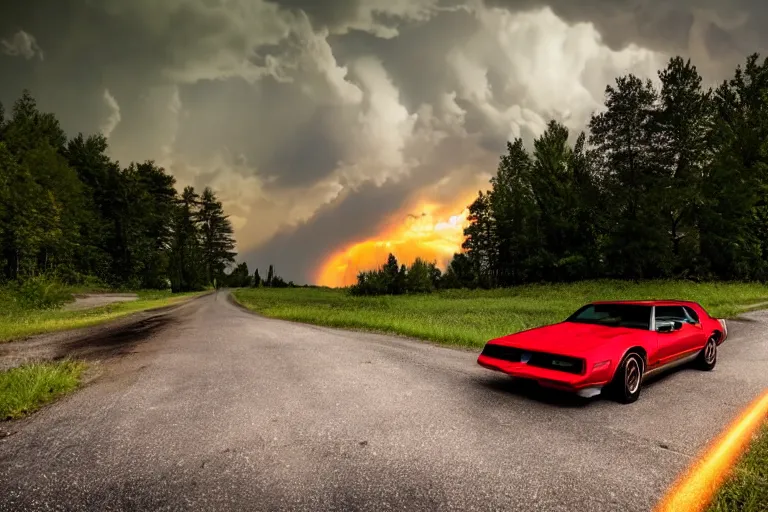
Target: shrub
{"type": "Point", "coordinates": [42, 292]}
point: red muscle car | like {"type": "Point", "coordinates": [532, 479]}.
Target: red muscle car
{"type": "Point", "coordinates": [610, 346]}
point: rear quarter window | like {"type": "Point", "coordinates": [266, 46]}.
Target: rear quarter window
{"type": "Point", "coordinates": [692, 313]}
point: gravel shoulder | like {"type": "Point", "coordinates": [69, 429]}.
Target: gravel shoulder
{"type": "Point", "coordinates": [95, 300]}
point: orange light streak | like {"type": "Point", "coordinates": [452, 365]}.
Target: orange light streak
{"type": "Point", "coordinates": [694, 491]}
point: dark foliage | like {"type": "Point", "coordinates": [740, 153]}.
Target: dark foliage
{"type": "Point", "coordinates": [394, 279]}
{"type": "Point", "coordinates": [673, 184]}
{"type": "Point", "coordinates": [68, 210]}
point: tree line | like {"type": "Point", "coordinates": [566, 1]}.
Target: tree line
{"type": "Point", "coordinates": [669, 182]}
{"type": "Point", "coordinates": [240, 277]}
{"type": "Point", "coordinates": [70, 212]}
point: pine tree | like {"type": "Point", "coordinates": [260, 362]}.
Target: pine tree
{"type": "Point", "coordinates": [68, 210]}
{"type": "Point", "coordinates": [270, 276]}
{"type": "Point", "coordinates": [390, 274]}
{"type": "Point", "coordinates": [623, 137]}
{"type": "Point", "coordinates": [418, 278]}
{"type": "Point", "coordinates": [682, 126]}
{"type": "Point", "coordinates": [481, 241]}
{"type": "Point", "coordinates": [513, 209]}
{"type": "Point", "coordinates": [186, 250]}
{"type": "Point", "coordinates": [217, 240]}
{"type": "Point", "coordinates": [732, 215]}
{"type": "Point", "coordinates": [256, 279]}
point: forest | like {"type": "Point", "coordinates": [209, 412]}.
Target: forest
{"type": "Point", "coordinates": [70, 213]}
{"type": "Point", "coordinates": [670, 181]}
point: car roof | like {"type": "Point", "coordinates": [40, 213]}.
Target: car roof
{"type": "Point", "coordinates": [660, 302]}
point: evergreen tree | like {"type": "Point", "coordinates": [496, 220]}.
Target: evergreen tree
{"type": "Point", "coordinates": [270, 276]}
{"type": "Point", "coordinates": [732, 214]}
{"type": "Point", "coordinates": [217, 240]}
{"type": "Point", "coordinates": [460, 273]}
{"type": "Point", "coordinates": [624, 138]}
{"type": "Point", "coordinates": [682, 127]}
{"type": "Point", "coordinates": [391, 275]}
{"type": "Point", "coordinates": [43, 210]}
{"type": "Point", "coordinates": [87, 156]}
{"type": "Point", "coordinates": [481, 242]}
{"type": "Point", "coordinates": [589, 215]}
{"type": "Point", "coordinates": [435, 274]}
{"type": "Point", "coordinates": [418, 278]}
{"type": "Point", "coordinates": [240, 277]}
{"type": "Point", "coordinates": [513, 209]}
{"type": "Point", "coordinates": [186, 250]}
{"type": "Point", "coordinates": [68, 210]}
{"type": "Point", "coordinates": [256, 279]}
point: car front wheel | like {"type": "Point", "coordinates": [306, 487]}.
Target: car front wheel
{"type": "Point", "coordinates": [629, 379]}
{"type": "Point", "coordinates": [708, 357]}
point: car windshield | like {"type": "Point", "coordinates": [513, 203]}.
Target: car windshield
{"type": "Point", "coordinates": [632, 316]}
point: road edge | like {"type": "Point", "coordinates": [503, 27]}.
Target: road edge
{"type": "Point", "coordinates": [321, 327]}
{"type": "Point", "coordinates": [80, 331]}
{"type": "Point", "coordinates": [694, 490]}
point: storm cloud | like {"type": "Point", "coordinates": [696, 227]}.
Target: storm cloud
{"type": "Point", "coordinates": [315, 121]}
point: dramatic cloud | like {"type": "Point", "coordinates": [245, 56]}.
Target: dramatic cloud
{"type": "Point", "coordinates": [326, 126]}
{"type": "Point", "coordinates": [715, 33]}
{"type": "Point", "coordinates": [21, 44]}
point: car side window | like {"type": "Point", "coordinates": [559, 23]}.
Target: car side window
{"type": "Point", "coordinates": [693, 317]}
{"type": "Point", "coordinates": [671, 314]}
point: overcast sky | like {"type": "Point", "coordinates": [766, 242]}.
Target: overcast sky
{"type": "Point", "coordinates": [319, 122]}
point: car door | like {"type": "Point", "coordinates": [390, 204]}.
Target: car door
{"type": "Point", "coordinates": [680, 342]}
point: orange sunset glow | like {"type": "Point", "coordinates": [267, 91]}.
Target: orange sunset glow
{"type": "Point", "coordinates": [429, 231]}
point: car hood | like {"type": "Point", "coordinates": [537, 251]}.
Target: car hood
{"type": "Point", "coordinates": [566, 338]}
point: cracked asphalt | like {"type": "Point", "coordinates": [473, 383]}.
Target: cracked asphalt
{"type": "Point", "coordinates": [218, 409]}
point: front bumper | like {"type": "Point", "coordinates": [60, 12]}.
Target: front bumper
{"type": "Point", "coordinates": [587, 385]}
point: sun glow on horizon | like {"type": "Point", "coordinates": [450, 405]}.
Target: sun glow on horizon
{"type": "Point", "coordinates": [434, 234]}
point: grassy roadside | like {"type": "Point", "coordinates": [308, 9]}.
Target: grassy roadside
{"type": "Point", "coordinates": [20, 323]}
{"type": "Point", "coordinates": [25, 389]}
{"type": "Point", "coordinates": [470, 318]}
{"type": "Point", "coordinates": [747, 488]}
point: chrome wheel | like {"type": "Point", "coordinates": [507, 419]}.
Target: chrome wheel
{"type": "Point", "coordinates": [710, 351]}
{"type": "Point", "coordinates": [632, 375]}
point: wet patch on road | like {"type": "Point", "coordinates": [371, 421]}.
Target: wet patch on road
{"type": "Point", "coordinates": [117, 342]}
{"type": "Point", "coordinates": [94, 344]}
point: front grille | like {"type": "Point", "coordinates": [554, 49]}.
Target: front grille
{"type": "Point", "coordinates": [538, 359]}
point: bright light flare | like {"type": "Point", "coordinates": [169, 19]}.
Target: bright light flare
{"type": "Point", "coordinates": [695, 490]}
{"type": "Point", "coordinates": [432, 232]}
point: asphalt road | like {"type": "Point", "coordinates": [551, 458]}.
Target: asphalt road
{"type": "Point", "coordinates": [213, 408]}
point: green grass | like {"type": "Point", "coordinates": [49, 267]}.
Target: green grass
{"type": "Point", "coordinates": [470, 318]}
{"type": "Point", "coordinates": [746, 490]}
{"type": "Point", "coordinates": [26, 388]}
{"type": "Point", "coordinates": [17, 323]}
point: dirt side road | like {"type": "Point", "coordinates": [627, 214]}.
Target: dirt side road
{"type": "Point", "coordinates": [94, 300]}
{"type": "Point", "coordinates": [217, 409]}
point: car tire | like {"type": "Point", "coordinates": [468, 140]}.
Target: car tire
{"type": "Point", "coordinates": [629, 378]}
{"type": "Point", "coordinates": [708, 357]}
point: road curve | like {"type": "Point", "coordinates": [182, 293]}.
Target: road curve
{"type": "Point", "coordinates": [219, 409]}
